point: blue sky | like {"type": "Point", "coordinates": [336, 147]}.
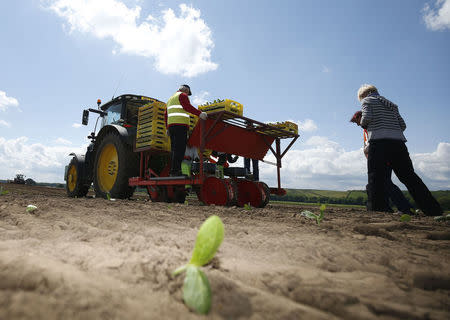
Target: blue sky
{"type": "Point", "coordinates": [283, 60]}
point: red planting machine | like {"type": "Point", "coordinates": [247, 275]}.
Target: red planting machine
{"type": "Point", "coordinates": [137, 151]}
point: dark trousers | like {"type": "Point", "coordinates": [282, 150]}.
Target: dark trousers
{"type": "Point", "coordinates": [395, 153]}
{"type": "Point", "coordinates": [178, 140]}
{"type": "Point", "coordinates": [395, 194]}
{"type": "Point", "coordinates": [255, 167]}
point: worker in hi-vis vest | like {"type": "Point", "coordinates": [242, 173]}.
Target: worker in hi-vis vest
{"type": "Point", "coordinates": [177, 122]}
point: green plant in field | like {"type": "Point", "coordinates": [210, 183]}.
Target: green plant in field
{"type": "Point", "coordinates": [317, 217]}
{"type": "Point", "coordinates": [247, 206]}
{"type": "Point", "coordinates": [196, 289]}
{"type": "Point", "coordinates": [30, 208]}
{"type": "Point", "coordinates": [108, 196]}
{"type": "Point", "coordinates": [443, 218]}
{"type": "Point", "coordinates": [405, 218]}
{"type": "Point", "coordinates": [3, 192]}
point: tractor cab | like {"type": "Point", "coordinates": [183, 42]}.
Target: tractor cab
{"type": "Point", "coordinates": [122, 110]}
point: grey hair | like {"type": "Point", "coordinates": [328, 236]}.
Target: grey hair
{"type": "Point", "coordinates": [365, 90]}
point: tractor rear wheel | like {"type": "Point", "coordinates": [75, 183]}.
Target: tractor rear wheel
{"type": "Point", "coordinates": [115, 163]}
{"type": "Point", "coordinates": [75, 186]}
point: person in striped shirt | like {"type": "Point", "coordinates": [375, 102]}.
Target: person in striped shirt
{"type": "Point", "coordinates": [392, 192]}
{"type": "Point", "coordinates": [385, 127]}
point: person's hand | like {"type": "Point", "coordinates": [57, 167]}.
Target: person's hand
{"type": "Point", "coordinates": [357, 117]}
{"type": "Point", "coordinates": [203, 116]}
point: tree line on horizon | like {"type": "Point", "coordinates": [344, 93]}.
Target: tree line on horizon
{"type": "Point", "coordinates": [350, 197]}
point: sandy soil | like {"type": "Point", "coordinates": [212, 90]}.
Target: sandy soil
{"type": "Point", "coordinates": [96, 259]}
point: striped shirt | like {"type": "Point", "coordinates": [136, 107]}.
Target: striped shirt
{"type": "Point", "coordinates": [381, 119]}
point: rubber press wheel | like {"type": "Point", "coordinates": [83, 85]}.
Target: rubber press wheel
{"type": "Point", "coordinates": [249, 192]}
{"type": "Point", "coordinates": [216, 191]}
{"type": "Point", "coordinates": [115, 163]}
{"type": "Point", "coordinates": [157, 193]}
{"type": "Point", "coordinates": [266, 192]}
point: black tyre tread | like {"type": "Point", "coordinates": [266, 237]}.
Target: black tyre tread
{"type": "Point", "coordinates": [81, 189]}
{"type": "Point", "coordinates": [130, 159]}
{"type": "Point", "coordinates": [267, 192]}
{"type": "Point", "coordinates": [179, 195]}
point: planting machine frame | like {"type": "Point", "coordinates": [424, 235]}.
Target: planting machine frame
{"type": "Point", "coordinates": [116, 166]}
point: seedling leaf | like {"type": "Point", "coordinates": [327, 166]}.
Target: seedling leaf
{"type": "Point", "coordinates": [247, 206]}
{"type": "Point", "coordinates": [322, 212]}
{"type": "Point", "coordinates": [442, 218]}
{"type": "Point", "coordinates": [209, 238]}
{"type": "Point", "coordinates": [308, 214]}
{"type": "Point", "coordinates": [405, 218]}
{"type": "Point", "coordinates": [180, 270]}
{"type": "Point", "coordinates": [108, 196]}
{"type": "Point", "coordinates": [3, 192]}
{"type": "Point", "coordinates": [196, 290]}
{"type": "Point", "coordinates": [31, 208]}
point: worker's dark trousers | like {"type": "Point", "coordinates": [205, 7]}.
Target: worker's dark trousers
{"type": "Point", "coordinates": [255, 171]}
{"type": "Point", "coordinates": [178, 140]}
{"type": "Point", "coordinates": [385, 151]}
{"type": "Point", "coordinates": [395, 194]}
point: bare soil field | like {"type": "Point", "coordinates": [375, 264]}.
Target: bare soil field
{"type": "Point", "coordinates": [91, 258]}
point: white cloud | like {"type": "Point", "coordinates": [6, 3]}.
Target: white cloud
{"type": "Point", "coordinates": [434, 166]}
{"type": "Point", "coordinates": [307, 125]}
{"type": "Point", "coordinates": [200, 98]}
{"type": "Point", "coordinates": [37, 161]}
{"type": "Point", "coordinates": [323, 164]}
{"type": "Point", "coordinates": [325, 69]}
{"type": "Point", "coordinates": [63, 141]}
{"type": "Point", "coordinates": [76, 125]}
{"type": "Point", "coordinates": [319, 163]}
{"type": "Point", "coordinates": [6, 101]}
{"type": "Point", "coordinates": [3, 123]}
{"type": "Point", "coordinates": [437, 16]}
{"type": "Point", "coordinates": [180, 44]}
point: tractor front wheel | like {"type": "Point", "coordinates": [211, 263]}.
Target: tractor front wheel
{"type": "Point", "coordinates": [75, 186]}
{"type": "Point", "coordinates": [115, 163]}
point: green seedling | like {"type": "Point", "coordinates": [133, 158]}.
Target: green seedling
{"type": "Point", "coordinates": [443, 218]}
{"type": "Point", "coordinates": [313, 216]}
{"type": "Point", "coordinates": [3, 192]}
{"type": "Point", "coordinates": [405, 218]}
{"type": "Point", "coordinates": [108, 196]}
{"type": "Point", "coordinates": [247, 206]}
{"type": "Point", "coordinates": [196, 289]}
{"type": "Point", "coordinates": [31, 208]}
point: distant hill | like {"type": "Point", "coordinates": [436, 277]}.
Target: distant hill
{"type": "Point", "coordinates": [355, 197]}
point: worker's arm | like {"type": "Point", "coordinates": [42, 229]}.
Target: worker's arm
{"type": "Point", "coordinates": [186, 104]}
{"type": "Point", "coordinates": [401, 121]}
{"type": "Point", "coordinates": [366, 115]}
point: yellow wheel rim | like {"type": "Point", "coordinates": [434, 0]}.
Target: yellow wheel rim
{"type": "Point", "coordinates": [107, 167]}
{"type": "Point", "coordinates": [72, 178]}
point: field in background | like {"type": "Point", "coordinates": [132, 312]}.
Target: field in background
{"type": "Point", "coordinates": [350, 197]}
{"type": "Point", "coordinates": [314, 196]}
